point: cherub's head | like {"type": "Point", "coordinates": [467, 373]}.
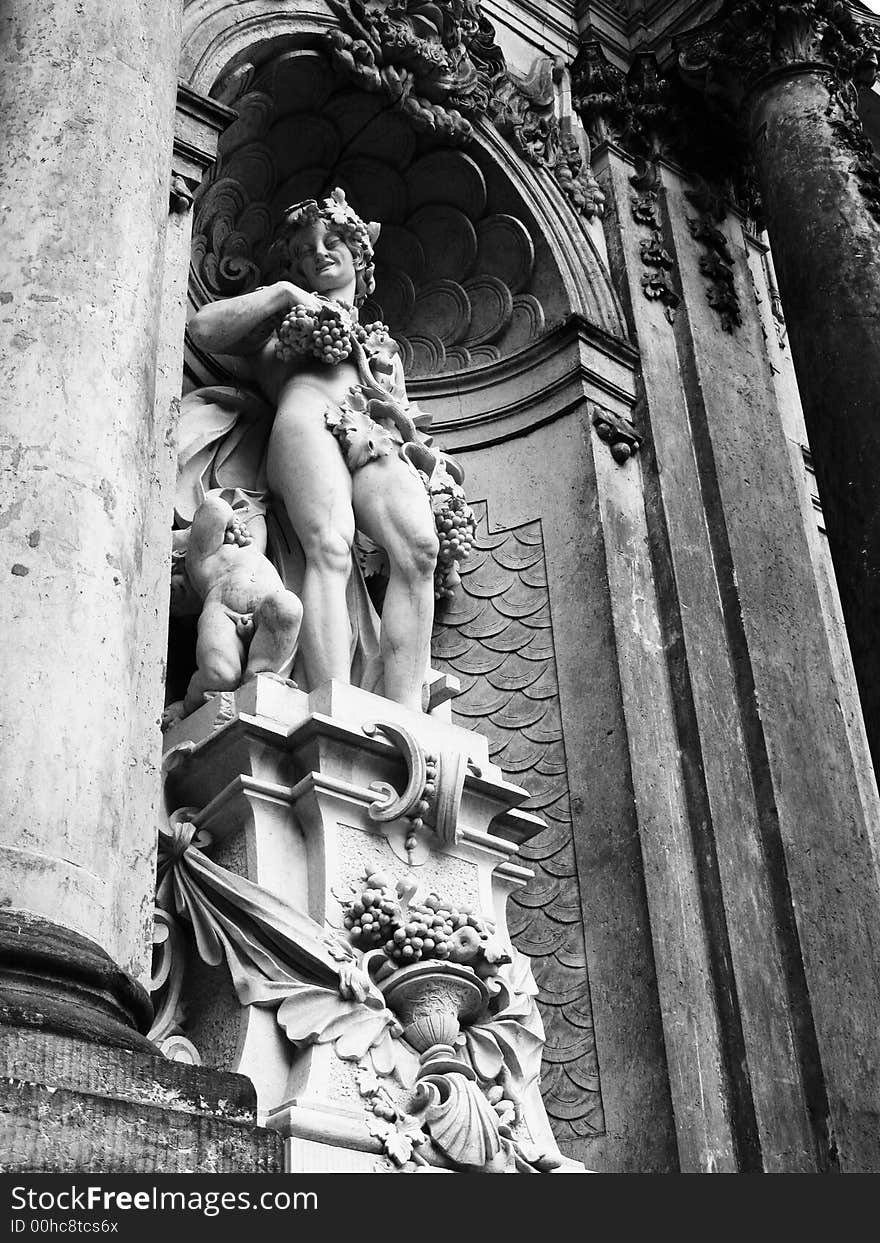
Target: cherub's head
{"type": "Point", "coordinates": [330, 224]}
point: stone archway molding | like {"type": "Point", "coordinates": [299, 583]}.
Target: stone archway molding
{"type": "Point", "coordinates": [222, 49]}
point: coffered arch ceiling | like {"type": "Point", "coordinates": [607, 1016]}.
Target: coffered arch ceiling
{"type": "Point", "coordinates": [467, 271]}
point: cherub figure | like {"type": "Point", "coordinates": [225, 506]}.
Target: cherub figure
{"type": "Point", "coordinates": [249, 622]}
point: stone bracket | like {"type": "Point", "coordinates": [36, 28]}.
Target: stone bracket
{"type": "Point", "coordinates": [618, 433]}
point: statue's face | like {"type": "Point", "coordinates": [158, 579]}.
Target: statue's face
{"type": "Point", "coordinates": [326, 263]}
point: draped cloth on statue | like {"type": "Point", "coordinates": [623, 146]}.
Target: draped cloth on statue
{"type": "Point", "coordinates": [222, 438]}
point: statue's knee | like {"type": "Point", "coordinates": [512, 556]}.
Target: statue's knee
{"type": "Point", "coordinates": [329, 551]}
{"type": "Point", "coordinates": [420, 556]}
{"type": "Point", "coordinates": [281, 611]}
{"type": "Point", "coordinates": [220, 671]}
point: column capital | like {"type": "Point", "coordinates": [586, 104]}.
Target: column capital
{"type": "Point", "coordinates": [630, 109]}
{"type": "Point", "coordinates": [750, 42]}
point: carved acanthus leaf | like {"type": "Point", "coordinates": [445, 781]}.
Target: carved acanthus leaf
{"type": "Point", "coordinates": [632, 109]}
{"type": "Point", "coordinates": [651, 113]}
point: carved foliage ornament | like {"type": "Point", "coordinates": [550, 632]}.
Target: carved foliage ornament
{"type": "Point", "coordinates": [645, 207]}
{"type": "Point", "coordinates": [717, 261]}
{"type": "Point", "coordinates": [652, 114]}
{"type": "Point", "coordinates": [436, 59]}
{"type": "Point", "coordinates": [439, 63]}
{"type": "Point", "coordinates": [522, 109]}
{"type": "Point", "coordinates": [631, 109]}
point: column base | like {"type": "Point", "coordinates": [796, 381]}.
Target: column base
{"type": "Point", "coordinates": [56, 980]}
{"type": "Point", "coordinates": [70, 1105]}
{"type": "Point", "coordinates": [81, 1089]}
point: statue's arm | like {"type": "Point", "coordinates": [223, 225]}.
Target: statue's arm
{"type": "Point", "coordinates": [208, 531]}
{"type": "Point", "coordinates": [242, 325]}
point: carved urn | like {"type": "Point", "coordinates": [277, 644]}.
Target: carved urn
{"type": "Point", "coordinates": [434, 1000]}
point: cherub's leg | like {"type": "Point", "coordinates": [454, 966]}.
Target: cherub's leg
{"type": "Point", "coordinates": [306, 469]}
{"type": "Point", "coordinates": [277, 622]}
{"type": "Point", "coordinates": [392, 508]}
{"type": "Point", "coordinates": [219, 656]}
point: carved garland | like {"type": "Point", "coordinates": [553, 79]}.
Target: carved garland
{"type": "Point", "coordinates": [655, 257]}
{"type": "Point", "coordinates": [717, 261]}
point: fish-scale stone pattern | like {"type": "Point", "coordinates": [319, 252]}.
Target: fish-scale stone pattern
{"type": "Point", "coordinates": [496, 637]}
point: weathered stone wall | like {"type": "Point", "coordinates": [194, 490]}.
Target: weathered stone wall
{"type": "Point", "coordinates": [774, 767]}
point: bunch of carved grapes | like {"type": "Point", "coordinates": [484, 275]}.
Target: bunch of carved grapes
{"type": "Point", "coordinates": [408, 930]}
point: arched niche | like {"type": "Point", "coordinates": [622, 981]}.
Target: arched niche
{"type": "Point", "coordinates": [508, 322]}
{"type": "Point", "coordinates": [480, 254]}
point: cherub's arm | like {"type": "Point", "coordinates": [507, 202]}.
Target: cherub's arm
{"type": "Point", "coordinates": [242, 325]}
{"type": "Point", "coordinates": [208, 531]}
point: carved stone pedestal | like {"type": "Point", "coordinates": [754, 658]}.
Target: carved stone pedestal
{"type": "Point", "coordinates": [347, 863]}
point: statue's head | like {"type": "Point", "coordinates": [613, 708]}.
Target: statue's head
{"type": "Point", "coordinates": [341, 221]}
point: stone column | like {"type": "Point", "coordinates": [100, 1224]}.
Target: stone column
{"type": "Point", "coordinates": [789, 73]}
{"type": "Point", "coordinates": [87, 109]}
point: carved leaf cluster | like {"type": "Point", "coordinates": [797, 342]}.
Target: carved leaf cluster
{"type": "Point", "coordinates": [716, 263]}
{"type": "Point", "coordinates": [655, 283]}
{"type": "Point", "coordinates": [434, 58]}
{"type": "Point", "coordinates": [522, 109]}
{"type": "Point", "coordinates": [497, 638]}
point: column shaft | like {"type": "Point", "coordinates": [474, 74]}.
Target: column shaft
{"type": "Point", "coordinates": [86, 125]}
{"type": "Point", "coordinates": [826, 246]}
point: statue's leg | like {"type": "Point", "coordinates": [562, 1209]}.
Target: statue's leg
{"type": "Point", "coordinates": [392, 508]}
{"type": "Point", "coordinates": [219, 656]}
{"type": "Point", "coordinates": [277, 622]}
{"type": "Point", "coordinates": [306, 470]}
